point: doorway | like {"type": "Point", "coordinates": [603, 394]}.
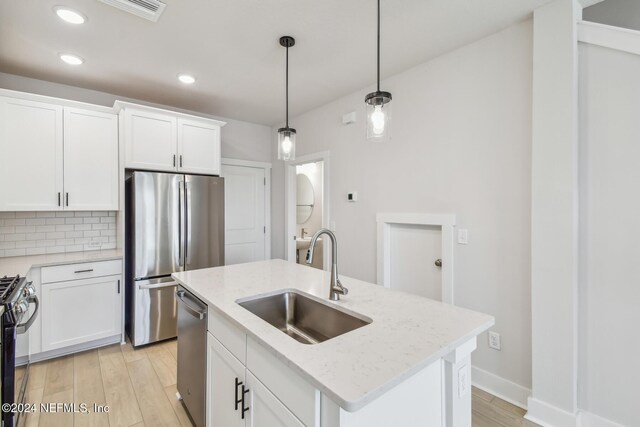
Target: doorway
{"type": "Point", "coordinates": [247, 211]}
{"type": "Point", "coordinates": [307, 208]}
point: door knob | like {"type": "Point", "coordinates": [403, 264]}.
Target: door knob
{"type": "Point", "coordinates": [438, 262]}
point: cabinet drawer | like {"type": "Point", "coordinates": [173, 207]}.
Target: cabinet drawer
{"type": "Point", "coordinates": [228, 334]}
{"type": "Point", "coordinates": [295, 393]}
{"type": "Point", "coordinates": [84, 270]}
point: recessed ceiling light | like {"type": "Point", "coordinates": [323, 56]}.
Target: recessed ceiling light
{"type": "Point", "coordinates": [71, 59]}
{"type": "Point", "coordinates": [69, 15]}
{"type": "Point", "coordinates": [186, 79]}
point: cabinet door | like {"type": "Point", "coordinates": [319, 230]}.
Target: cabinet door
{"type": "Point", "coordinates": [80, 311]}
{"type": "Point", "coordinates": [90, 160]}
{"type": "Point", "coordinates": [31, 153]}
{"type": "Point", "coordinates": [198, 147]}
{"type": "Point", "coordinates": [265, 409]}
{"type": "Point", "coordinates": [150, 140]}
{"type": "Point", "coordinates": [223, 371]}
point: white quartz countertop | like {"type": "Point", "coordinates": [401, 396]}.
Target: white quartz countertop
{"type": "Point", "coordinates": [408, 332]}
{"type": "Point", "coordinates": [21, 265]}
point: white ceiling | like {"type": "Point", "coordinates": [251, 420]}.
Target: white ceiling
{"type": "Point", "coordinates": [231, 46]}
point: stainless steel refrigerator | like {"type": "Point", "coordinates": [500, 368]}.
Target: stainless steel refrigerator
{"type": "Point", "coordinates": [173, 222]}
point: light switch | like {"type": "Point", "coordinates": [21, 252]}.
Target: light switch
{"type": "Point", "coordinates": [463, 236]}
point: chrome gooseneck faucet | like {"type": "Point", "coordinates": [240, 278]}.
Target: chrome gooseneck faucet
{"type": "Point", "coordinates": [335, 287]}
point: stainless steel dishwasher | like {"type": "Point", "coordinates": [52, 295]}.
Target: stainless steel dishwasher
{"type": "Point", "coordinates": [192, 354]}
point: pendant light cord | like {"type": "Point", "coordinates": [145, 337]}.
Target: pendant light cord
{"type": "Point", "coordinates": [378, 45]}
{"type": "Point", "coordinates": [287, 87]}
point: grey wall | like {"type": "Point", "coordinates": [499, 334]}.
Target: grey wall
{"type": "Point", "coordinates": [240, 140]}
{"type": "Point", "coordinates": [619, 13]}
{"type": "Point", "coordinates": [461, 144]}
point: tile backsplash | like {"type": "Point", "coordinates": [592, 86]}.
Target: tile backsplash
{"type": "Point", "coordinates": [34, 233]}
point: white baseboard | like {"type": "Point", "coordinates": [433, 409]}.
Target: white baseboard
{"type": "Point", "coordinates": [45, 355]}
{"type": "Point", "coordinates": [500, 387]}
{"type": "Point", "coordinates": [550, 416]}
{"type": "Point", "coordinates": [587, 419]}
{"type": "Point", "coordinates": [546, 415]}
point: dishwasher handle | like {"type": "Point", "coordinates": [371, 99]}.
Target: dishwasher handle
{"type": "Point", "coordinates": [191, 310]}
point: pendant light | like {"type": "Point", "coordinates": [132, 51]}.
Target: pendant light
{"type": "Point", "coordinates": [378, 105]}
{"type": "Point", "coordinates": [287, 135]}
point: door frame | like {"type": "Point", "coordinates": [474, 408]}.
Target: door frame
{"type": "Point", "coordinates": [446, 222]}
{"type": "Point", "coordinates": [290, 202]}
{"type": "Point", "coordinates": [267, 194]}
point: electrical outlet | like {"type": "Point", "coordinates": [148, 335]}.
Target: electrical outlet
{"type": "Point", "coordinates": [463, 236]}
{"type": "Point", "coordinates": [94, 244]}
{"type": "Point", "coordinates": [494, 340]}
{"type": "Point", "coordinates": [463, 381]}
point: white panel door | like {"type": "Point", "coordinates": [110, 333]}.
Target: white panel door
{"type": "Point", "coordinates": [244, 201]}
{"type": "Point", "coordinates": [150, 140]}
{"type": "Point", "coordinates": [90, 160]}
{"type": "Point", "coordinates": [225, 377]}
{"type": "Point", "coordinates": [265, 410]}
{"type": "Point", "coordinates": [31, 153]}
{"type": "Point", "coordinates": [198, 147]}
{"type": "Point", "coordinates": [414, 250]}
{"type": "Point", "coordinates": [80, 311]}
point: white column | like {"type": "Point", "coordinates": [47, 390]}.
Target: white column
{"type": "Point", "coordinates": [457, 385]}
{"type": "Point", "coordinates": [554, 215]}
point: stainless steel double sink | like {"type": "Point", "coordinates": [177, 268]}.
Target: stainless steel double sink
{"type": "Point", "coordinates": [306, 319]}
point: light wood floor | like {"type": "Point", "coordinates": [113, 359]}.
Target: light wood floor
{"type": "Point", "coordinates": [139, 386]}
{"type": "Point", "coordinates": [491, 411]}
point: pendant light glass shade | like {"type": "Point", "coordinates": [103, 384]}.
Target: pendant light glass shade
{"type": "Point", "coordinates": [378, 105]}
{"type": "Point", "coordinates": [287, 135]}
{"type": "Point", "coordinates": [378, 115]}
{"type": "Point", "coordinates": [286, 144]}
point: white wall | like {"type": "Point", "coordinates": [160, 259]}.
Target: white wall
{"type": "Point", "coordinates": [240, 140]}
{"type": "Point", "coordinates": [610, 248]}
{"type": "Point", "coordinates": [461, 144]}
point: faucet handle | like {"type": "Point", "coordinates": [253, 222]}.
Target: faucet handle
{"type": "Point", "coordinates": [340, 289]}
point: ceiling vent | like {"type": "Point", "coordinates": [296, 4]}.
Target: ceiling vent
{"type": "Point", "coordinates": [147, 9]}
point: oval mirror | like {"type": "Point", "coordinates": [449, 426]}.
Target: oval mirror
{"type": "Point", "coordinates": [304, 198]}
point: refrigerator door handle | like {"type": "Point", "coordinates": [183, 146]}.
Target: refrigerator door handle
{"type": "Point", "coordinates": [181, 220]}
{"type": "Point", "coordinates": [158, 285]}
{"type": "Point", "coordinates": [187, 233]}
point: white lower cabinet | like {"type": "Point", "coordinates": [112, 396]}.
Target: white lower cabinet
{"type": "Point", "coordinates": [265, 410]}
{"type": "Point", "coordinates": [235, 397]}
{"type": "Point", "coordinates": [224, 388]}
{"type": "Point", "coordinates": [79, 311]}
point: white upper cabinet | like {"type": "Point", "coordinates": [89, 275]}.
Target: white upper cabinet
{"type": "Point", "coordinates": [57, 156]}
{"type": "Point", "coordinates": [90, 160]}
{"type": "Point", "coordinates": [31, 150]}
{"type": "Point", "coordinates": [163, 140]}
{"type": "Point", "coordinates": [198, 147]}
{"type": "Point", "coordinates": [150, 140]}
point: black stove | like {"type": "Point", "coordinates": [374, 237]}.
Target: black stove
{"type": "Point", "coordinates": [16, 295]}
{"type": "Point", "coordinates": [8, 285]}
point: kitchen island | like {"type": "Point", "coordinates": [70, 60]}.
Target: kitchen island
{"type": "Point", "coordinates": [409, 366]}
